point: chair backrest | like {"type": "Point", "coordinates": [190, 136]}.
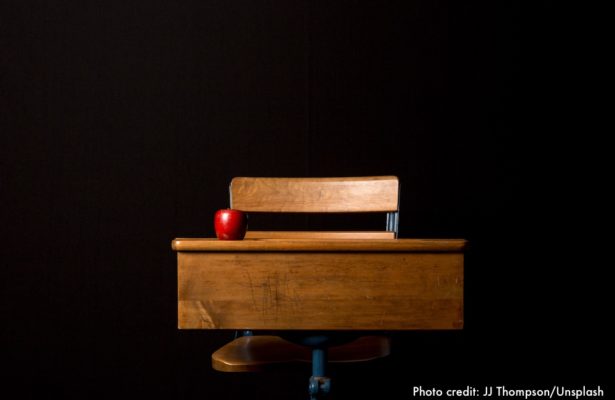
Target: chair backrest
{"type": "Point", "coordinates": [319, 195]}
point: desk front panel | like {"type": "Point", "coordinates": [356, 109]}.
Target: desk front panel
{"type": "Point", "coordinates": [328, 291]}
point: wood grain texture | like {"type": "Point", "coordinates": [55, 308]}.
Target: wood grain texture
{"type": "Point", "coordinates": [319, 245]}
{"type": "Point", "coordinates": [320, 290]}
{"type": "Point", "coordinates": [319, 235]}
{"type": "Point", "coordinates": [342, 195]}
{"type": "Point", "coordinates": [263, 352]}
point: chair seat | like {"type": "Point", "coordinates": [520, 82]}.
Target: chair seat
{"type": "Point", "coordinates": [261, 352]}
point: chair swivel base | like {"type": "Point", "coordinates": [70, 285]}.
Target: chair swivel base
{"type": "Point", "coordinates": [262, 352]}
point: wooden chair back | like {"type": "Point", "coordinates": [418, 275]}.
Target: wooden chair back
{"type": "Point", "coordinates": [319, 195]}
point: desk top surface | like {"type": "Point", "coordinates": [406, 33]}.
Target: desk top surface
{"type": "Point", "coordinates": [319, 245]}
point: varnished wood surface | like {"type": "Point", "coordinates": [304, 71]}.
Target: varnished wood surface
{"type": "Point", "coordinates": [320, 290]}
{"type": "Point", "coordinates": [257, 353]}
{"type": "Point", "coordinates": [319, 245]}
{"type": "Point", "coordinates": [319, 235]}
{"type": "Point", "coordinates": [357, 194]}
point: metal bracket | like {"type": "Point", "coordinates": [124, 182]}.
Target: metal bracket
{"type": "Point", "coordinates": [319, 387]}
{"type": "Point", "coordinates": [393, 222]}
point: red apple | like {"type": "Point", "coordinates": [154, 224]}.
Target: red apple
{"type": "Point", "coordinates": [230, 224]}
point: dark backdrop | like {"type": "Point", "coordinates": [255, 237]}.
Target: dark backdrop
{"type": "Point", "coordinates": [122, 123]}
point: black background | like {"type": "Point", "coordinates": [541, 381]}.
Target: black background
{"type": "Point", "coordinates": [122, 123]}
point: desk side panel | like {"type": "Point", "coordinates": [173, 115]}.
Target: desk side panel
{"type": "Point", "coordinates": [337, 291]}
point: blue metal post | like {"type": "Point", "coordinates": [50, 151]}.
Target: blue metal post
{"type": "Point", "coordinates": [319, 360]}
{"type": "Point", "coordinates": [320, 385]}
